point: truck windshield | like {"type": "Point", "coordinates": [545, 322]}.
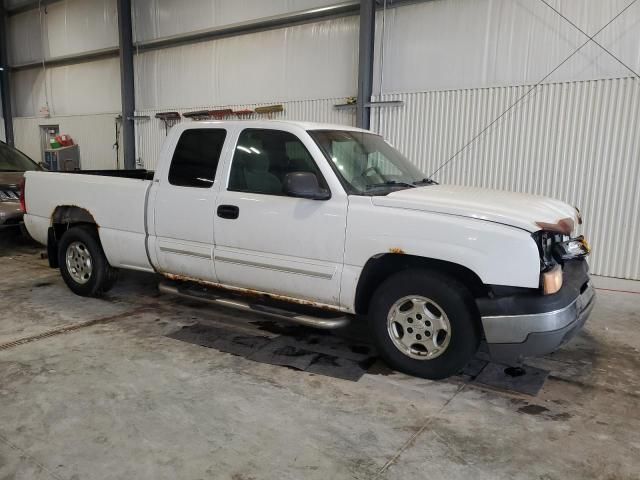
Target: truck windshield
{"type": "Point", "coordinates": [366, 164]}
{"type": "Point", "coordinates": [12, 160]}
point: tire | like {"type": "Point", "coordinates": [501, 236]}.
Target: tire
{"type": "Point", "coordinates": [408, 331]}
{"type": "Point", "coordinates": [87, 272]}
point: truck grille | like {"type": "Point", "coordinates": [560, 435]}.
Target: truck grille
{"type": "Point", "coordinates": [6, 194]}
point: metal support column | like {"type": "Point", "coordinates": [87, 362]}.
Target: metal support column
{"type": "Point", "coordinates": [365, 61]}
{"type": "Point", "coordinates": [5, 85]}
{"type": "Point", "coordinates": [127, 91]}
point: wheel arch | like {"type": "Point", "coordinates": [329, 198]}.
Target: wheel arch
{"type": "Point", "coordinates": [380, 267]}
{"type": "Point", "coordinates": [63, 218]}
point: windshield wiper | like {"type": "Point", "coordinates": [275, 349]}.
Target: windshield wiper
{"type": "Point", "coordinates": [425, 181]}
{"type": "Point", "coordinates": [391, 183]}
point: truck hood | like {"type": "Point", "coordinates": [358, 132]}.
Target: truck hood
{"type": "Point", "coordinates": [515, 209]}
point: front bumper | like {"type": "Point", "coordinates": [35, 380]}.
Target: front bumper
{"type": "Point", "coordinates": [529, 325]}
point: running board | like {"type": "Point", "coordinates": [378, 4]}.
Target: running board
{"type": "Point", "coordinates": [327, 323]}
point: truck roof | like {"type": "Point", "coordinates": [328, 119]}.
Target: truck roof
{"type": "Point", "coordinates": [272, 123]}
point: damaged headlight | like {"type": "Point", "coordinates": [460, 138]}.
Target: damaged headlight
{"type": "Point", "coordinates": [571, 249]}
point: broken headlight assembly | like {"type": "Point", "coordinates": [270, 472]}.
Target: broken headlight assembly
{"type": "Point", "coordinates": [571, 249]}
{"type": "Point", "coordinates": [556, 249]}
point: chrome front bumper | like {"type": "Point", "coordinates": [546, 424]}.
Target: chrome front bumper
{"type": "Point", "coordinates": [513, 337]}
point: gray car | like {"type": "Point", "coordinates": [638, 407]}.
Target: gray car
{"type": "Point", "coordinates": [13, 164]}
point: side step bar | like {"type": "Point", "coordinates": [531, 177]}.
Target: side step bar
{"type": "Point", "coordinates": [328, 323]}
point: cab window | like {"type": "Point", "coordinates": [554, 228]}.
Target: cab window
{"type": "Point", "coordinates": [196, 157]}
{"type": "Point", "coordinates": [263, 158]}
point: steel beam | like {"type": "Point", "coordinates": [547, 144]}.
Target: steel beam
{"type": "Point", "coordinates": [127, 90]}
{"type": "Point", "coordinates": [277, 21]}
{"type": "Point", "coordinates": [5, 80]}
{"type": "Point", "coordinates": [365, 62]}
{"type": "Point", "coordinates": [72, 59]}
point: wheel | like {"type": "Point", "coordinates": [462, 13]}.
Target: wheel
{"type": "Point", "coordinates": [424, 323]}
{"type": "Point", "coordinates": [83, 265]}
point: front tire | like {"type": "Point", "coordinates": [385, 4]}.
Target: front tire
{"type": "Point", "coordinates": [424, 323]}
{"type": "Point", "coordinates": [83, 264]}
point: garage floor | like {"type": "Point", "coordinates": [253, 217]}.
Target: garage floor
{"type": "Point", "coordinates": [115, 398]}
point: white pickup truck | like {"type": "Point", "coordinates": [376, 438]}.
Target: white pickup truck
{"type": "Point", "coordinates": [322, 225]}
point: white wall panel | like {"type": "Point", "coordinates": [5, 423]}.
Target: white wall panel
{"type": "Point", "coordinates": [90, 87]}
{"type": "Point", "coordinates": [68, 27]}
{"type": "Point", "coordinates": [151, 133]}
{"type": "Point", "coordinates": [317, 60]}
{"type": "Point", "coordinates": [161, 18]}
{"type": "Point", "coordinates": [24, 37]}
{"type": "Point", "coordinates": [574, 141]}
{"type": "Point", "coordinates": [75, 26]}
{"type": "Point", "coordinates": [95, 135]}
{"type": "Point", "coordinates": [453, 44]}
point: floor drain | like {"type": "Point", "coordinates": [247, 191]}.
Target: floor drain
{"type": "Point", "coordinates": [69, 328]}
{"type": "Point", "coordinates": [515, 371]}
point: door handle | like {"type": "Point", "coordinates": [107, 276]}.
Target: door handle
{"type": "Point", "coordinates": [228, 211]}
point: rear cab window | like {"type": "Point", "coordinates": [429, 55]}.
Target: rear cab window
{"type": "Point", "coordinates": [196, 156]}
{"type": "Point", "coordinates": [263, 157]}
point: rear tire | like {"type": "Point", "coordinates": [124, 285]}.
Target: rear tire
{"type": "Point", "coordinates": [424, 323]}
{"type": "Point", "coordinates": [83, 264]}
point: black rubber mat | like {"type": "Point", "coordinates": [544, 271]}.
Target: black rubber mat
{"type": "Point", "coordinates": [320, 354]}
{"type": "Point", "coordinates": [325, 354]}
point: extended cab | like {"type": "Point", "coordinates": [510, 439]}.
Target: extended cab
{"type": "Point", "coordinates": [317, 223]}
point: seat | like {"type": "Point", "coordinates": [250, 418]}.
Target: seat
{"type": "Point", "coordinates": [257, 176]}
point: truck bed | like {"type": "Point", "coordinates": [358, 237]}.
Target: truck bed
{"type": "Point", "coordinates": [115, 199]}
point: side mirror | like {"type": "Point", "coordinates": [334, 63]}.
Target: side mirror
{"type": "Point", "coordinates": [304, 185]}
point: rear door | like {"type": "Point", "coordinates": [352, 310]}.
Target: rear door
{"type": "Point", "coordinates": [185, 204]}
{"type": "Point", "coordinates": [271, 242]}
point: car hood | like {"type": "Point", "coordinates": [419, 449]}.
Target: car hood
{"type": "Point", "coordinates": [515, 209]}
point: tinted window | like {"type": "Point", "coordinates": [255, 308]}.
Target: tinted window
{"type": "Point", "coordinates": [196, 157]}
{"type": "Point", "coordinates": [12, 160]}
{"type": "Point", "coordinates": [264, 157]}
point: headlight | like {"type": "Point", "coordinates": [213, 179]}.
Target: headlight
{"type": "Point", "coordinates": [571, 249]}
{"type": "Point", "coordinates": [552, 280]}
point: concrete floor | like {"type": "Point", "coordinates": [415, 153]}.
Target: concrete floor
{"type": "Point", "coordinates": [119, 400]}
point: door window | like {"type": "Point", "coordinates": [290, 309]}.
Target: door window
{"type": "Point", "coordinates": [264, 157]}
{"type": "Point", "coordinates": [196, 157]}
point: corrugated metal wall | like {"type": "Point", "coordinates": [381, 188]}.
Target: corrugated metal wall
{"type": "Point", "coordinates": [80, 89]}
{"type": "Point", "coordinates": [458, 44]}
{"type": "Point", "coordinates": [160, 18]}
{"type": "Point", "coordinates": [576, 141]}
{"type": "Point", "coordinates": [315, 60]}
{"type": "Point", "coordinates": [62, 28]}
{"type": "Point", "coordinates": [151, 133]}
{"type": "Point", "coordinates": [95, 134]}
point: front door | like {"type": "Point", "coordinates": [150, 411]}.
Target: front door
{"type": "Point", "coordinates": [268, 241]}
{"type": "Point", "coordinates": [185, 205]}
